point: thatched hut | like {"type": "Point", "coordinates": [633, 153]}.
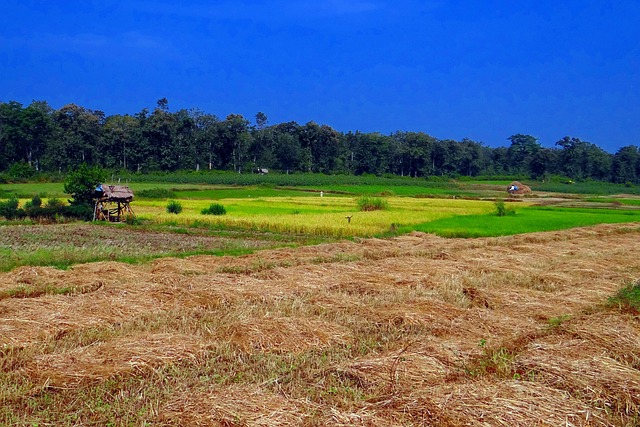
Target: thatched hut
{"type": "Point", "coordinates": [112, 203]}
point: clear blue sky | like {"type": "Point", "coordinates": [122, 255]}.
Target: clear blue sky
{"type": "Point", "coordinates": [453, 69]}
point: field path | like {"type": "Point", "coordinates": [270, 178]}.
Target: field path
{"type": "Point", "coordinates": [414, 330]}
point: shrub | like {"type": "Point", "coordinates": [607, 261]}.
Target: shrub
{"type": "Point", "coordinates": [132, 220]}
{"type": "Point", "coordinates": [502, 209]}
{"type": "Point", "coordinates": [9, 209]}
{"type": "Point", "coordinates": [51, 211]}
{"type": "Point", "coordinates": [83, 211]}
{"type": "Point", "coordinates": [174, 207]}
{"type": "Point", "coordinates": [21, 170]}
{"type": "Point", "coordinates": [368, 203]}
{"type": "Point", "coordinates": [36, 201]}
{"type": "Point", "coordinates": [55, 203]}
{"type": "Point", "coordinates": [214, 209]}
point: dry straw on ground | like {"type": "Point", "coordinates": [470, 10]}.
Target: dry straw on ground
{"type": "Point", "coordinates": [415, 330]}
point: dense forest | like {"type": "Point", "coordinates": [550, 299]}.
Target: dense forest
{"type": "Point", "coordinates": [37, 138]}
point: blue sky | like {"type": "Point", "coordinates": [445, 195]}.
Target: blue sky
{"type": "Point", "coordinates": [477, 69]}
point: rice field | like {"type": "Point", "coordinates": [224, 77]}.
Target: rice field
{"type": "Point", "coordinates": [324, 216]}
{"type": "Point", "coordinates": [412, 330]}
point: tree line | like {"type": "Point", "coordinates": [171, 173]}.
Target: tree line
{"type": "Point", "coordinates": [37, 138]}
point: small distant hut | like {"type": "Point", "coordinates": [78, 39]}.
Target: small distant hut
{"type": "Point", "coordinates": [112, 203]}
{"type": "Point", "coordinates": [518, 189]}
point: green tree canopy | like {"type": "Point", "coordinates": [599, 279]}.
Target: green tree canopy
{"type": "Point", "coordinates": [81, 184]}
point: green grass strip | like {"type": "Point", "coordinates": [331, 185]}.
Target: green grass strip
{"type": "Point", "coordinates": [526, 220]}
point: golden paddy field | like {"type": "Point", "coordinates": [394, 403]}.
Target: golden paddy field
{"type": "Point", "coordinates": [318, 215]}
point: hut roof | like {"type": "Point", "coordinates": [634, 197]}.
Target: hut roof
{"type": "Point", "coordinates": [114, 193]}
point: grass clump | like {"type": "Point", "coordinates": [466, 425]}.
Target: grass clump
{"type": "Point", "coordinates": [133, 220]}
{"type": "Point", "coordinates": [37, 290]}
{"type": "Point", "coordinates": [502, 209]}
{"type": "Point", "coordinates": [174, 207]}
{"type": "Point", "coordinates": [556, 322]}
{"type": "Point", "coordinates": [627, 298]}
{"type": "Point", "coordinates": [214, 209]}
{"type": "Point", "coordinates": [368, 203]}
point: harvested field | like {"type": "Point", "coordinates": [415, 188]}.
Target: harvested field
{"type": "Point", "coordinates": [415, 330]}
{"type": "Point", "coordinates": [74, 243]}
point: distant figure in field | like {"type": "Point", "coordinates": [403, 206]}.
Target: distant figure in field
{"type": "Point", "coordinates": [518, 189]}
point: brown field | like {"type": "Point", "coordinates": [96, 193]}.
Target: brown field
{"type": "Point", "coordinates": [411, 331]}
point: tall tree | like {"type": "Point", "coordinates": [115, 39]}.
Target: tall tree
{"type": "Point", "coordinates": [581, 159]}
{"type": "Point", "coordinates": [446, 157]}
{"type": "Point", "coordinates": [419, 148]}
{"type": "Point", "coordinates": [206, 139]}
{"type": "Point", "coordinates": [11, 133]}
{"type": "Point", "coordinates": [544, 161]}
{"type": "Point", "coordinates": [368, 153]}
{"type": "Point", "coordinates": [234, 136]}
{"type": "Point", "coordinates": [521, 151]}
{"type": "Point", "coordinates": [472, 159]}
{"type": "Point", "coordinates": [324, 145]}
{"type": "Point", "coordinates": [288, 153]}
{"type": "Point", "coordinates": [39, 132]}
{"type": "Point", "coordinates": [185, 140]}
{"type": "Point", "coordinates": [261, 120]}
{"type": "Point", "coordinates": [160, 131]}
{"type": "Point", "coordinates": [626, 165]}
{"type": "Point", "coordinates": [288, 150]}
{"type": "Point", "coordinates": [76, 143]}
{"type": "Point", "coordinates": [120, 139]}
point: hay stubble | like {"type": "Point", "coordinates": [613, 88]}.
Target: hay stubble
{"type": "Point", "coordinates": [415, 330]}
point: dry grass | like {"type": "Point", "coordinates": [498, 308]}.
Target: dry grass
{"type": "Point", "coordinates": [415, 330]}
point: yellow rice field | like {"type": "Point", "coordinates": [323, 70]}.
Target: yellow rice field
{"type": "Point", "coordinates": [329, 216]}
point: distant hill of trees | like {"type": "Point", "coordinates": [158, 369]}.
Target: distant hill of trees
{"type": "Point", "coordinates": [39, 138]}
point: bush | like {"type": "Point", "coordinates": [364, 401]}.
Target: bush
{"type": "Point", "coordinates": [9, 209]}
{"type": "Point", "coordinates": [51, 211]}
{"type": "Point", "coordinates": [132, 220]}
{"type": "Point", "coordinates": [54, 203]}
{"type": "Point", "coordinates": [368, 203]}
{"type": "Point", "coordinates": [36, 201]}
{"type": "Point", "coordinates": [83, 211]}
{"type": "Point", "coordinates": [21, 170]}
{"type": "Point", "coordinates": [174, 207]}
{"type": "Point", "coordinates": [502, 209]}
{"type": "Point", "coordinates": [214, 209]}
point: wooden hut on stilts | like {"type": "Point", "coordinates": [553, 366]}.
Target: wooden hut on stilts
{"type": "Point", "coordinates": [112, 203]}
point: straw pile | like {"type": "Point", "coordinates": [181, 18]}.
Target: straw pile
{"type": "Point", "coordinates": [416, 330]}
{"type": "Point", "coordinates": [520, 189]}
{"type": "Point", "coordinates": [101, 360]}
